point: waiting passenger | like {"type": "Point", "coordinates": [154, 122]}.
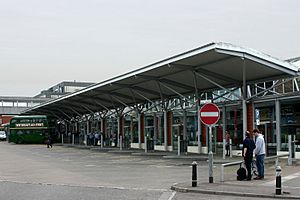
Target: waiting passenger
{"type": "Point", "coordinates": [49, 142]}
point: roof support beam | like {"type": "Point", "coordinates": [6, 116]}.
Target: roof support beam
{"type": "Point", "coordinates": [165, 80]}
{"type": "Point", "coordinates": [257, 60]}
{"type": "Point", "coordinates": [226, 93]}
{"type": "Point", "coordinates": [120, 101]}
{"type": "Point", "coordinates": [89, 110]}
{"type": "Point", "coordinates": [276, 84]}
{"type": "Point", "coordinates": [265, 90]}
{"type": "Point", "coordinates": [43, 111]}
{"type": "Point", "coordinates": [70, 112]}
{"type": "Point", "coordinates": [84, 102]}
{"type": "Point", "coordinates": [122, 95]}
{"type": "Point", "coordinates": [100, 104]}
{"type": "Point", "coordinates": [202, 76]}
{"type": "Point", "coordinates": [138, 93]}
{"type": "Point", "coordinates": [183, 97]}
{"type": "Point", "coordinates": [79, 114]}
{"type": "Point", "coordinates": [58, 117]}
{"type": "Point", "coordinates": [136, 107]}
{"type": "Point", "coordinates": [145, 90]}
{"type": "Point", "coordinates": [207, 72]}
{"type": "Point", "coordinates": [177, 84]}
{"type": "Point", "coordinates": [195, 85]}
{"type": "Point", "coordinates": [96, 96]}
{"type": "Point", "coordinates": [65, 114]}
{"type": "Point", "coordinates": [164, 106]}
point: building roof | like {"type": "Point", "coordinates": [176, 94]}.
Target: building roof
{"type": "Point", "coordinates": [205, 68]}
{"type": "Point", "coordinates": [295, 61]}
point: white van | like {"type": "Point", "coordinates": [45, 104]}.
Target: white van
{"type": "Point", "coordinates": [2, 135]}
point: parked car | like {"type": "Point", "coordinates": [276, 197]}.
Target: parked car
{"type": "Point", "coordinates": [2, 135]}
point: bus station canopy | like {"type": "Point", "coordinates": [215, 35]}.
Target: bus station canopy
{"type": "Point", "coordinates": [202, 69]}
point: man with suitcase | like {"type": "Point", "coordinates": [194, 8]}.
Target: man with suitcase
{"type": "Point", "coordinates": [247, 152]}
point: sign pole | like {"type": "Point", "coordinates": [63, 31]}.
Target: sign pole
{"type": "Point", "coordinates": [210, 157]}
{"type": "Point", "coordinates": [209, 115]}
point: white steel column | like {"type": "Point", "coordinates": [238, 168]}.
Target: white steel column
{"type": "Point", "coordinates": [97, 125]}
{"type": "Point", "coordinates": [102, 125]}
{"type": "Point", "coordinates": [119, 130]}
{"type": "Point", "coordinates": [154, 127]}
{"type": "Point", "coordinates": [199, 130]}
{"type": "Point", "coordinates": [278, 131]}
{"type": "Point", "coordinates": [144, 128]}
{"type": "Point", "coordinates": [224, 129]}
{"type": "Point", "coordinates": [184, 125]}
{"type": "Point", "coordinates": [165, 131]}
{"type": "Point", "coordinates": [139, 130]}
{"type": "Point", "coordinates": [102, 132]}
{"type": "Point", "coordinates": [244, 99]}
{"type": "Point", "coordinates": [244, 118]}
{"type": "Point", "coordinates": [87, 132]}
{"type": "Point", "coordinates": [113, 132]}
{"type": "Point", "coordinates": [131, 130]}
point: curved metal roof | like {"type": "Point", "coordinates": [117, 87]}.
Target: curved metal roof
{"type": "Point", "coordinates": [202, 68]}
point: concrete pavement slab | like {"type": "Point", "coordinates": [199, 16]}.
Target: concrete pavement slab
{"type": "Point", "coordinates": [254, 188]}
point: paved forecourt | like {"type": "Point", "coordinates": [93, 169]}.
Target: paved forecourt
{"type": "Point", "coordinates": [254, 188]}
{"type": "Point", "coordinates": [101, 174]}
{"type": "Point", "coordinates": [29, 171]}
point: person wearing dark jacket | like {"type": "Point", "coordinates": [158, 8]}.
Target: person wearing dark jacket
{"type": "Point", "coordinates": [247, 152]}
{"type": "Point", "coordinates": [49, 142]}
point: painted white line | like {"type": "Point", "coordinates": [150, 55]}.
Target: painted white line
{"type": "Point", "coordinates": [169, 195]}
{"type": "Point", "coordinates": [85, 186]}
{"type": "Point", "coordinates": [90, 165]}
{"type": "Point", "coordinates": [66, 160]}
{"type": "Point", "coordinates": [172, 196]}
{"type": "Point", "coordinates": [283, 179]}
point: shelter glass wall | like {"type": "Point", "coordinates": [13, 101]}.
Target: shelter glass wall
{"type": "Point", "coordinates": [135, 130]}
{"type": "Point", "coordinates": [149, 126]}
{"type": "Point", "coordinates": [127, 130]}
{"type": "Point", "coordinates": [160, 129]}
{"type": "Point", "coordinates": [177, 128]}
{"type": "Point", "coordinates": [192, 128]}
{"type": "Point", "coordinates": [112, 131]}
{"type": "Point", "coordinates": [290, 123]}
{"type": "Point", "coordinates": [234, 125]}
{"type": "Point", "coordinates": [267, 127]}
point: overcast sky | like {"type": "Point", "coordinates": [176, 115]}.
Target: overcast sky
{"type": "Point", "coordinates": [44, 42]}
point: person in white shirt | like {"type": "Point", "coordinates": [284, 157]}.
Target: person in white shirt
{"type": "Point", "coordinates": [259, 152]}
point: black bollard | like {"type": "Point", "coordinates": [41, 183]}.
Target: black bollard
{"type": "Point", "coordinates": [278, 180]}
{"type": "Point", "coordinates": [194, 174]}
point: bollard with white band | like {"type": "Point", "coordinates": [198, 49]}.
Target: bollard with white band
{"type": "Point", "coordinates": [278, 180]}
{"type": "Point", "coordinates": [194, 174]}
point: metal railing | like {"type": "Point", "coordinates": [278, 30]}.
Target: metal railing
{"type": "Point", "coordinates": [240, 162]}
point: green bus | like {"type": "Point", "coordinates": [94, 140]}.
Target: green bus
{"type": "Point", "coordinates": [29, 129]}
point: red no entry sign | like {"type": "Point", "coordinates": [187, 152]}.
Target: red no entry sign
{"type": "Point", "coordinates": [209, 114]}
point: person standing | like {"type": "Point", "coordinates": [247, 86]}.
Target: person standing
{"type": "Point", "coordinates": [260, 152]}
{"type": "Point", "coordinates": [247, 152]}
{"type": "Point", "coordinates": [96, 138]}
{"type": "Point", "coordinates": [49, 142]}
{"type": "Point", "coordinates": [227, 141]}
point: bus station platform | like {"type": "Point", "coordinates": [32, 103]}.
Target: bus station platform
{"type": "Point", "coordinates": [265, 188]}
